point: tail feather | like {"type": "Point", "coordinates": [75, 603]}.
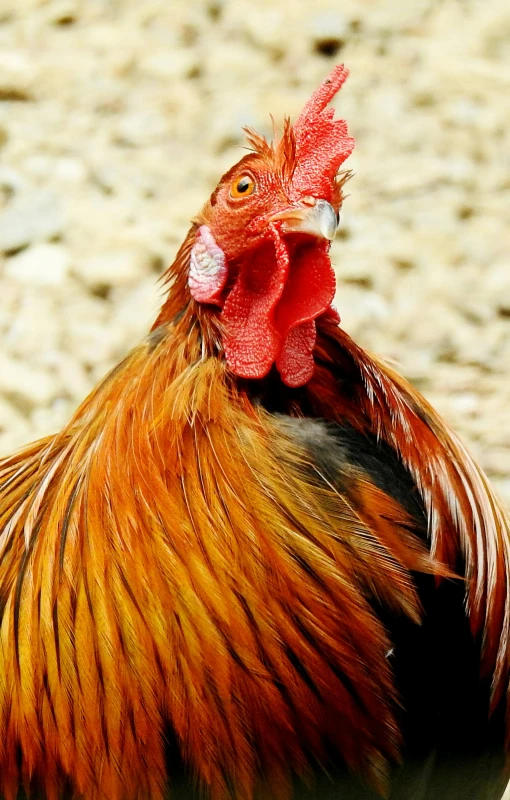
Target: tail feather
{"type": "Point", "coordinates": [468, 527]}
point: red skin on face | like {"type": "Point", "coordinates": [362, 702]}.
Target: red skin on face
{"type": "Point", "coordinates": [279, 283]}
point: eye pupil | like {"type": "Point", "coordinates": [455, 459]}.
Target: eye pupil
{"type": "Point", "coordinates": [242, 187]}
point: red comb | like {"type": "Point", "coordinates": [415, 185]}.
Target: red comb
{"type": "Point", "coordinates": [322, 142]}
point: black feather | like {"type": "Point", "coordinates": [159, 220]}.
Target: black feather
{"type": "Point", "coordinates": [452, 747]}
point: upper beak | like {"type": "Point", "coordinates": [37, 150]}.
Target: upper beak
{"type": "Point", "coordinates": [318, 219]}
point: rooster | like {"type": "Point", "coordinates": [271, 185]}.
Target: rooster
{"type": "Point", "coordinates": [255, 561]}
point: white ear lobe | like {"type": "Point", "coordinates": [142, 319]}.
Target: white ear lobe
{"type": "Point", "coordinates": [207, 268]}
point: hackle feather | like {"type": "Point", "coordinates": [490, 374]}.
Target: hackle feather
{"type": "Point", "coordinates": [169, 558]}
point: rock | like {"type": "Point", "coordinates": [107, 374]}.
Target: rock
{"type": "Point", "coordinates": [170, 65]}
{"type": "Point", "coordinates": [62, 12]}
{"type": "Point", "coordinates": [497, 286]}
{"type": "Point", "coordinates": [25, 385]}
{"type": "Point", "coordinates": [329, 31]}
{"type": "Point", "coordinates": [70, 170]}
{"type": "Point", "coordinates": [231, 66]}
{"type": "Point", "coordinates": [116, 267]}
{"type": "Point", "coordinates": [137, 130]}
{"type": "Point", "coordinates": [14, 427]}
{"type": "Point", "coordinates": [225, 130]}
{"type": "Point", "coordinates": [17, 76]}
{"type": "Point", "coordinates": [138, 308]}
{"type": "Point", "coordinates": [497, 461]}
{"type": "Point", "coordinates": [71, 374]}
{"type": "Point", "coordinates": [30, 218]}
{"type": "Point", "coordinates": [11, 181]}
{"type": "Point", "coordinates": [502, 487]}
{"type": "Point", "coordinates": [41, 265]}
{"type": "Point", "coordinates": [264, 29]}
{"type": "Point", "coordinates": [47, 420]}
{"type": "Point", "coordinates": [33, 328]}
{"type": "Point", "coordinates": [466, 403]}
{"type": "Point", "coordinates": [66, 170]}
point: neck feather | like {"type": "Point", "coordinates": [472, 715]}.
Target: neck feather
{"type": "Point", "coordinates": [181, 309]}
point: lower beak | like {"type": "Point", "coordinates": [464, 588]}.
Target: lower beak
{"type": "Point", "coordinates": [318, 220]}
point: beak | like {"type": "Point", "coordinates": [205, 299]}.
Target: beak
{"type": "Point", "coordinates": [312, 216]}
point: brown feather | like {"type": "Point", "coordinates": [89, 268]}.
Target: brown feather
{"type": "Point", "coordinates": [168, 557]}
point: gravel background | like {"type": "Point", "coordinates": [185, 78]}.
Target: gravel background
{"type": "Point", "coordinates": [117, 118]}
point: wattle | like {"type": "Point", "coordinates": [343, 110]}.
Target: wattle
{"type": "Point", "coordinates": [269, 315]}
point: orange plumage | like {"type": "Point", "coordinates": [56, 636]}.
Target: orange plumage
{"type": "Point", "coordinates": [212, 546]}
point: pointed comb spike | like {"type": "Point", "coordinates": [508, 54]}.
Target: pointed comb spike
{"type": "Point", "coordinates": [322, 97]}
{"type": "Point", "coordinates": [322, 143]}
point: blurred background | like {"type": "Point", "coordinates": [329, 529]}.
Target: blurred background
{"type": "Point", "coordinates": [117, 118]}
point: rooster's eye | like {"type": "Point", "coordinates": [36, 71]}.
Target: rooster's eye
{"type": "Point", "coordinates": [242, 187]}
